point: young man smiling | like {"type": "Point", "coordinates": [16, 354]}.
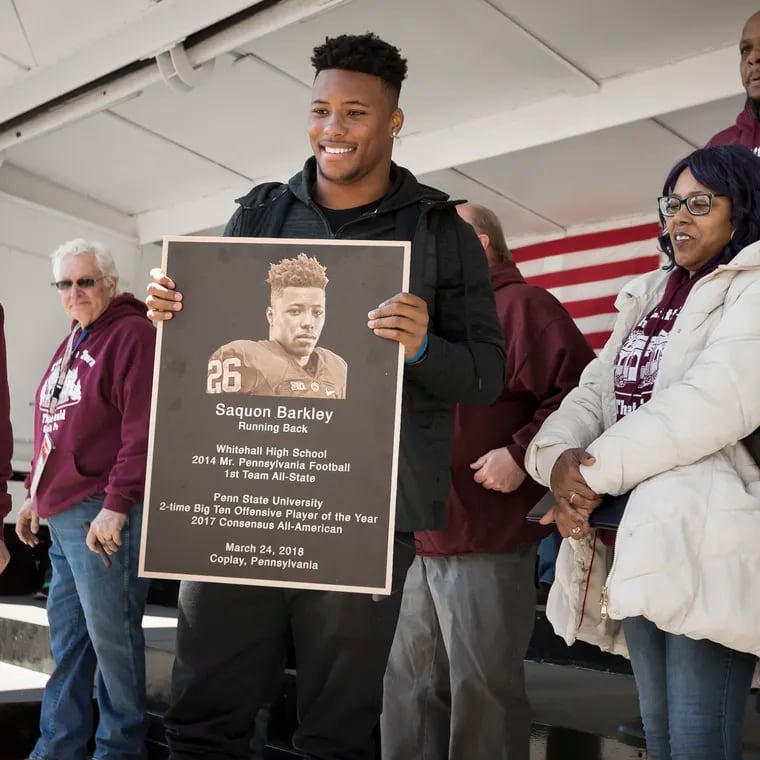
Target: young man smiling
{"type": "Point", "coordinates": [231, 640]}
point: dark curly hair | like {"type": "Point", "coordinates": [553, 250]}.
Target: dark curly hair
{"type": "Point", "coordinates": [730, 170]}
{"type": "Point", "coordinates": [301, 272]}
{"type": "Point", "coordinates": [365, 53]}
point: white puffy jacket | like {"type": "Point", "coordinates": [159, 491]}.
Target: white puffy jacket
{"type": "Point", "coordinates": [687, 552]}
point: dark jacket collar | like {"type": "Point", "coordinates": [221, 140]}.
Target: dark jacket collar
{"type": "Point", "coordinates": [404, 189]}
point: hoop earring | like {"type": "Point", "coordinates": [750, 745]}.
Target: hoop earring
{"type": "Point", "coordinates": [733, 232]}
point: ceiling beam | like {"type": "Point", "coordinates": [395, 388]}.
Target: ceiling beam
{"type": "Point", "coordinates": [620, 100]}
{"type": "Point", "coordinates": [122, 87]}
{"type": "Point", "coordinates": [189, 217]}
{"type": "Point", "coordinates": [32, 190]}
{"type": "Point", "coordinates": [157, 30]}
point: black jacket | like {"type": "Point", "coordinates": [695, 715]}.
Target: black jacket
{"type": "Point", "coordinates": [465, 357]}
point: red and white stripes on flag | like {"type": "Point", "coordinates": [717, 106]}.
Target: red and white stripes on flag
{"type": "Point", "coordinates": [586, 272]}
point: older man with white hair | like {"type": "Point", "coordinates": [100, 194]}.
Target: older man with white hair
{"type": "Point", "coordinates": [88, 475]}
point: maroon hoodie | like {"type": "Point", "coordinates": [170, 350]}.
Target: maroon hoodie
{"type": "Point", "coordinates": [546, 354]}
{"type": "Point", "coordinates": [100, 426]}
{"type": "Point", "coordinates": [6, 432]}
{"type": "Point", "coordinates": [745, 132]}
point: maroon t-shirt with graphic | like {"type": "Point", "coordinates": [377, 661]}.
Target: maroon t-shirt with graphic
{"type": "Point", "coordinates": [638, 360]}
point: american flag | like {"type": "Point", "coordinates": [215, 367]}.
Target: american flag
{"type": "Point", "coordinates": [586, 272]}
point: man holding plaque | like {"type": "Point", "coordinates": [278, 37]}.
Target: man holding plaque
{"type": "Point", "coordinates": [232, 639]}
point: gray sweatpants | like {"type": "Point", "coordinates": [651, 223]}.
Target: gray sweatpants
{"type": "Point", "coordinates": [455, 683]}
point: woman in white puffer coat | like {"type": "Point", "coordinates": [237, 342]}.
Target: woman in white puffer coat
{"type": "Point", "coordinates": [661, 413]}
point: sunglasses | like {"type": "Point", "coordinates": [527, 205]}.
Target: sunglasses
{"type": "Point", "coordinates": [697, 204]}
{"type": "Point", "coordinates": [85, 283]}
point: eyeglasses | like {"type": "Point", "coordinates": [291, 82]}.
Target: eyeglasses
{"type": "Point", "coordinates": [697, 204]}
{"type": "Point", "coordinates": [83, 282]}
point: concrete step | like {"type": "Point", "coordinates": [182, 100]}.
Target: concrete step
{"type": "Point", "coordinates": [576, 709]}
{"type": "Point", "coordinates": [25, 642]}
{"type": "Point", "coordinates": [19, 685]}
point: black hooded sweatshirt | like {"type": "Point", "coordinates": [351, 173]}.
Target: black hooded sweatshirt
{"type": "Point", "coordinates": [465, 360]}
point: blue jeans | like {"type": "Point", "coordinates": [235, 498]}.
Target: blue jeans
{"type": "Point", "coordinates": [692, 693]}
{"type": "Point", "coordinates": [95, 617]}
{"type": "Point", "coordinates": [548, 550]}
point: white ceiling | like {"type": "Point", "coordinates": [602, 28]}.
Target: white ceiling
{"type": "Point", "coordinates": [232, 120]}
{"type": "Point", "coordinates": [585, 179]}
{"type": "Point", "coordinates": [469, 61]}
{"type": "Point", "coordinates": [608, 38]}
{"type": "Point", "coordinates": [554, 114]}
{"type": "Point", "coordinates": [38, 34]}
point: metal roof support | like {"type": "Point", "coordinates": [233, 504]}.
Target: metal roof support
{"type": "Point", "coordinates": [185, 64]}
{"type": "Point", "coordinates": [179, 73]}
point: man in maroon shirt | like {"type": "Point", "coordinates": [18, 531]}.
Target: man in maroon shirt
{"type": "Point", "coordinates": [6, 444]}
{"type": "Point", "coordinates": [746, 131]}
{"type": "Point", "coordinates": [455, 683]}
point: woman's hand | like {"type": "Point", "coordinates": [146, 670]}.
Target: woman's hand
{"type": "Point", "coordinates": [571, 523]}
{"type": "Point", "coordinates": [574, 500]}
{"type": "Point", "coordinates": [568, 483]}
{"type": "Point", "coordinates": [163, 300]}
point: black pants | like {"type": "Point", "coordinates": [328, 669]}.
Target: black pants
{"type": "Point", "coordinates": [231, 644]}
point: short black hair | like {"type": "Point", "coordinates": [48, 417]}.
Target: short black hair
{"type": "Point", "coordinates": [301, 272]}
{"type": "Point", "coordinates": [365, 53]}
{"type": "Point", "coordinates": [730, 170]}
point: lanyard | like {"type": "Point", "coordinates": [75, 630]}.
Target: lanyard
{"type": "Point", "coordinates": [63, 370]}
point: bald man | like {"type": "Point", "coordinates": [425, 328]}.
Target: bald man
{"type": "Point", "coordinates": [455, 684]}
{"type": "Point", "coordinates": [746, 131]}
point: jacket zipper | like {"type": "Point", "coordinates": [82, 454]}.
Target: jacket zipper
{"type": "Point", "coordinates": [604, 601]}
{"type": "Point", "coordinates": [330, 234]}
{"type": "Point", "coordinates": [363, 217]}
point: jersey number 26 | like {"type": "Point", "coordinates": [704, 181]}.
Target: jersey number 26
{"type": "Point", "coordinates": [224, 376]}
